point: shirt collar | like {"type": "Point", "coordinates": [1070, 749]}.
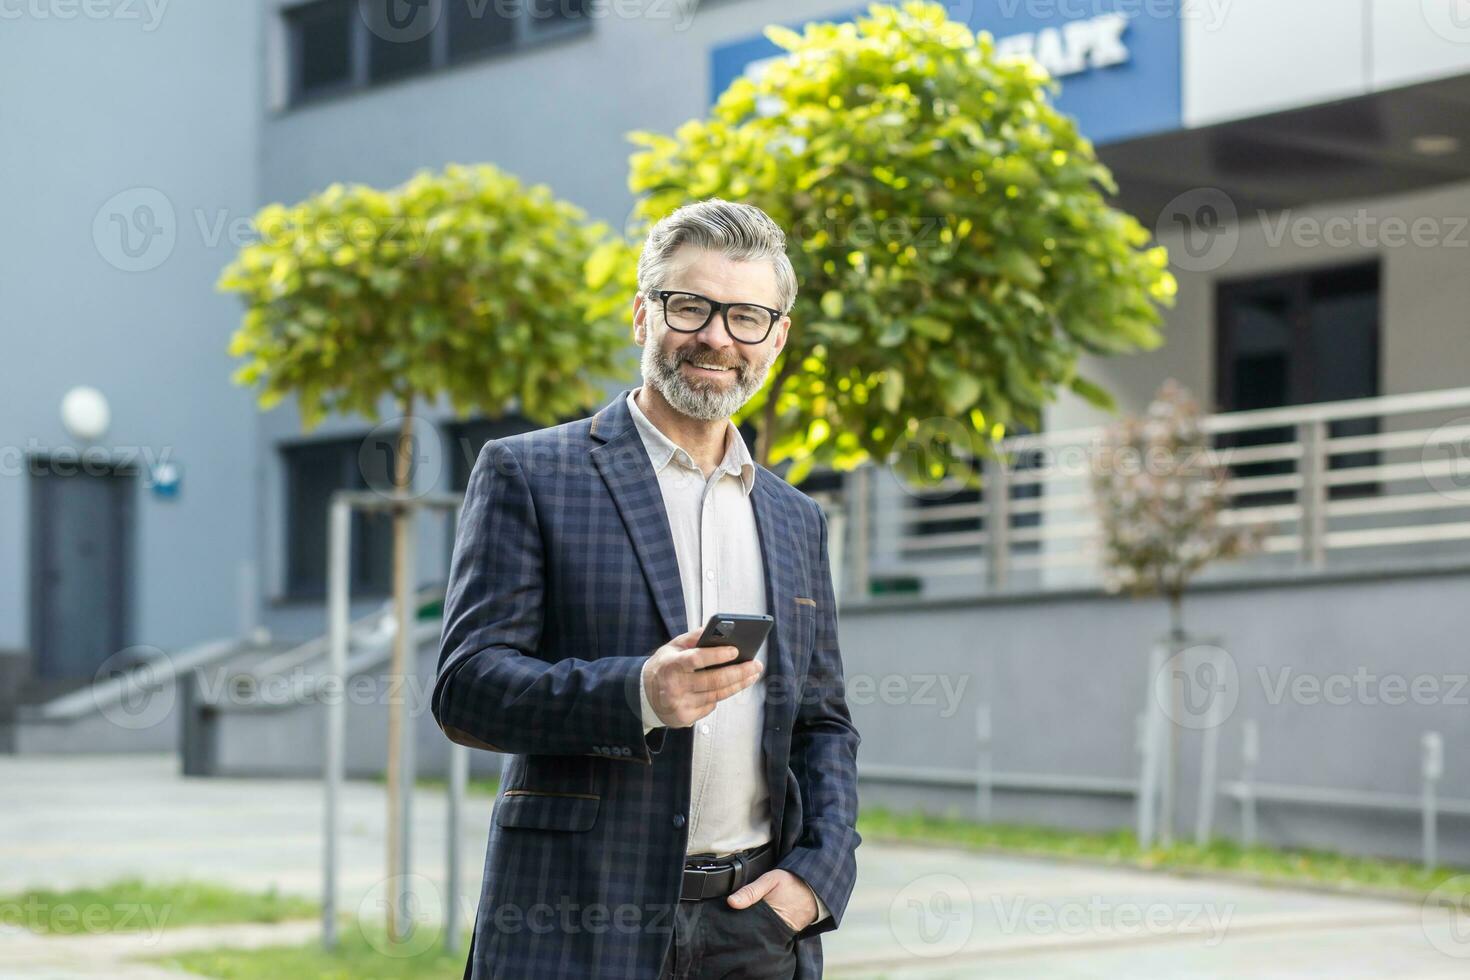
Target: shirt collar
{"type": "Point", "coordinates": [662, 450]}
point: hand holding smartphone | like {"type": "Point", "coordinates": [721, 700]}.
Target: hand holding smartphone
{"type": "Point", "coordinates": [743, 631]}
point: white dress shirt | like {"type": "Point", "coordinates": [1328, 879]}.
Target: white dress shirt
{"type": "Point", "coordinates": [713, 526]}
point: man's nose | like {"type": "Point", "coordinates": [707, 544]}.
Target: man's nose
{"type": "Point", "coordinates": [714, 334]}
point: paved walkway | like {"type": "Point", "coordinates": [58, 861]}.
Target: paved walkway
{"type": "Point", "coordinates": [919, 913]}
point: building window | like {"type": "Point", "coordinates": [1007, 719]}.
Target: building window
{"type": "Point", "coordinates": [321, 36]}
{"type": "Point", "coordinates": [1295, 339]}
{"type": "Point", "coordinates": [342, 45]}
{"type": "Point", "coordinates": [314, 471]}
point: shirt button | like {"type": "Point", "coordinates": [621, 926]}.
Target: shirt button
{"type": "Point", "coordinates": [709, 573]}
{"type": "Point", "coordinates": [678, 821]}
{"type": "Point", "coordinates": [704, 729]}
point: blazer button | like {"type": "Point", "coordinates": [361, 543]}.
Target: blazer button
{"type": "Point", "coordinates": [678, 821]}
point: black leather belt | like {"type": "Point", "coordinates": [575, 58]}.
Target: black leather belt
{"type": "Point", "coordinates": [708, 876]}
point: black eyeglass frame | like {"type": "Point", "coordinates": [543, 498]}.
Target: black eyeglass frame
{"type": "Point", "coordinates": [717, 309]}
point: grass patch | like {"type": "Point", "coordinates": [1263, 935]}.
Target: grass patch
{"type": "Point", "coordinates": [132, 905]}
{"type": "Point", "coordinates": [1121, 847]}
{"type": "Point", "coordinates": [355, 958]}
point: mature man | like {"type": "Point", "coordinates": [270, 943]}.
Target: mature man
{"type": "Point", "coordinates": [656, 820]}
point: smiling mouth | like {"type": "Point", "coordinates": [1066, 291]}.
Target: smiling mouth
{"type": "Point", "coordinates": [709, 369]}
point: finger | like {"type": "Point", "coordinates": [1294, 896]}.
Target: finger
{"type": "Point", "coordinates": [697, 657]}
{"type": "Point", "coordinates": [684, 641]}
{"type": "Point", "coordinates": [721, 676]}
{"type": "Point", "coordinates": [741, 683]}
{"type": "Point", "coordinates": [753, 892]}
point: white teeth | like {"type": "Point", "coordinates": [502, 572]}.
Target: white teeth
{"type": "Point", "coordinates": [711, 367]}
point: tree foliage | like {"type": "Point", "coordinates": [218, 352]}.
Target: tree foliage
{"type": "Point", "coordinates": [954, 247]}
{"type": "Point", "coordinates": [464, 283]}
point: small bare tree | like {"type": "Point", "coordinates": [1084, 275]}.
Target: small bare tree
{"type": "Point", "coordinates": [1159, 491]}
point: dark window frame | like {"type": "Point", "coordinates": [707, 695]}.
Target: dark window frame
{"type": "Point", "coordinates": [528, 31]}
{"type": "Point", "coordinates": [1296, 287]}
{"type": "Point", "coordinates": [363, 580]}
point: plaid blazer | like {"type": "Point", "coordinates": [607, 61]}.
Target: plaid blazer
{"type": "Point", "coordinates": [563, 581]}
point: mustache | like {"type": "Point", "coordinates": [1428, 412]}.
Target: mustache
{"type": "Point", "coordinates": [707, 355]}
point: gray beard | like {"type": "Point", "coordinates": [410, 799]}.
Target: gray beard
{"type": "Point", "coordinates": [709, 403]}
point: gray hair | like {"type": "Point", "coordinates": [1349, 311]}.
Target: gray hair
{"type": "Point", "coordinates": [742, 232]}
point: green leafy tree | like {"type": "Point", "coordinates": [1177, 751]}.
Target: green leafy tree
{"type": "Point", "coordinates": [463, 285]}
{"type": "Point", "coordinates": [949, 229]}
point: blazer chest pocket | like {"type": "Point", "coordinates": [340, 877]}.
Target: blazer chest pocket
{"type": "Point", "coordinates": [533, 810]}
{"type": "Point", "coordinates": [805, 623]}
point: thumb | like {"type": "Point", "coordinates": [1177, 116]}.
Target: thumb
{"type": "Point", "coordinates": [753, 892]}
{"type": "Point", "coordinates": [686, 640]}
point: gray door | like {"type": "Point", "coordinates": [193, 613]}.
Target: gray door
{"type": "Point", "coordinates": [80, 556]}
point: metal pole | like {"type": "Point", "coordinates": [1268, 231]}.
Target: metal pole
{"type": "Point", "coordinates": [1433, 760]}
{"type": "Point", "coordinates": [1204, 817]}
{"type": "Point", "coordinates": [1153, 741]}
{"type": "Point", "coordinates": [997, 495]}
{"type": "Point", "coordinates": [862, 532]}
{"type": "Point", "coordinates": [406, 733]}
{"type": "Point", "coordinates": [459, 776]}
{"type": "Point", "coordinates": [403, 891]}
{"type": "Point", "coordinates": [1314, 493]}
{"type": "Point", "coordinates": [339, 542]}
{"type": "Point", "coordinates": [1250, 754]}
{"type": "Point", "coordinates": [984, 777]}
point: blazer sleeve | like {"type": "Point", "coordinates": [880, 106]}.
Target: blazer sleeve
{"type": "Point", "coordinates": [824, 746]}
{"type": "Point", "coordinates": [493, 691]}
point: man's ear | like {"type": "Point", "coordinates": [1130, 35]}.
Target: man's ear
{"type": "Point", "coordinates": [781, 332]}
{"type": "Point", "coordinates": [640, 319]}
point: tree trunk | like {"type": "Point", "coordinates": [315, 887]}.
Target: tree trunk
{"type": "Point", "coordinates": [403, 613]}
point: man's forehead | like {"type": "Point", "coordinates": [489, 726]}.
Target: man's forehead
{"type": "Point", "coordinates": [721, 278]}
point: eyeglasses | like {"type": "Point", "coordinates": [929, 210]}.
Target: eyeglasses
{"type": "Point", "coordinates": [749, 323]}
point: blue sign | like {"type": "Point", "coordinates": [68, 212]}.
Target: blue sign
{"type": "Point", "coordinates": [1118, 61]}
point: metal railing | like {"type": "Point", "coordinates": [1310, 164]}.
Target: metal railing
{"type": "Point", "coordinates": [1337, 484]}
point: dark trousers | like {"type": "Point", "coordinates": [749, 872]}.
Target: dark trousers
{"type": "Point", "coordinates": [712, 941]}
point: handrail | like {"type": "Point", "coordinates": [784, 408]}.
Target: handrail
{"type": "Point", "coordinates": [104, 694]}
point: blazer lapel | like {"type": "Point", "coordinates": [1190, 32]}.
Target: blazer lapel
{"type": "Point", "coordinates": [623, 463]}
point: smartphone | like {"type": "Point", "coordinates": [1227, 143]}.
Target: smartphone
{"type": "Point", "coordinates": [743, 631]}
